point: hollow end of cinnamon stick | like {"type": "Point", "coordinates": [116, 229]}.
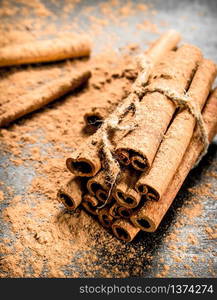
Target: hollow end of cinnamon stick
{"type": "Point", "coordinates": [93, 120]}
{"type": "Point", "coordinates": [149, 192]}
{"type": "Point", "coordinates": [102, 195]}
{"type": "Point", "coordinates": [144, 223]}
{"type": "Point", "coordinates": [105, 218]}
{"type": "Point", "coordinates": [140, 163]}
{"type": "Point", "coordinates": [123, 156]}
{"type": "Point", "coordinates": [124, 230]}
{"type": "Point", "coordinates": [125, 212]}
{"type": "Point", "coordinates": [81, 167]}
{"type": "Point", "coordinates": [141, 188]}
{"type": "Point", "coordinates": [69, 202]}
{"type": "Point", "coordinates": [126, 200]}
{"type": "Point", "coordinates": [113, 211]}
{"type": "Point", "coordinates": [90, 203]}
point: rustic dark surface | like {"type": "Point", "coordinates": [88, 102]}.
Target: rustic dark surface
{"type": "Point", "coordinates": [197, 22]}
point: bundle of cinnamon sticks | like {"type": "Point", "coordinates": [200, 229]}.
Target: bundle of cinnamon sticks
{"type": "Point", "coordinates": [130, 170]}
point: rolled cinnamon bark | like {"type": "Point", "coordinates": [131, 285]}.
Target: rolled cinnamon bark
{"type": "Point", "coordinates": [124, 191]}
{"type": "Point", "coordinates": [98, 184]}
{"type": "Point", "coordinates": [151, 214]}
{"type": "Point", "coordinates": [125, 212]}
{"type": "Point", "coordinates": [45, 51]}
{"type": "Point", "coordinates": [124, 230]}
{"type": "Point", "coordinates": [175, 73]}
{"type": "Point", "coordinates": [41, 96]}
{"type": "Point", "coordinates": [104, 217]}
{"type": "Point", "coordinates": [178, 136]}
{"type": "Point", "coordinates": [70, 194]}
{"type": "Point", "coordinates": [155, 52]}
{"type": "Point", "coordinates": [90, 203]}
{"type": "Point", "coordinates": [114, 211]}
{"type": "Point", "coordinates": [86, 161]}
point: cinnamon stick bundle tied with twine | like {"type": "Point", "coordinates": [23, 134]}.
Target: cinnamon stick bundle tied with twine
{"type": "Point", "coordinates": [178, 136]}
{"type": "Point", "coordinates": [86, 160]}
{"type": "Point", "coordinates": [41, 96]}
{"type": "Point", "coordinates": [45, 50]}
{"type": "Point", "coordinates": [174, 73]}
{"type": "Point", "coordinates": [149, 217]}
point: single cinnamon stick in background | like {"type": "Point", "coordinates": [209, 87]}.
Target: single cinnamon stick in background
{"type": "Point", "coordinates": [124, 191]}
{"type": "Point", "coordinates": [178, 136]}
{"type": "Point", "coordinates": [90, 203]}
{"type": "Point", "coordinates": [104, 217]}
{"type": "Point", "coordinates": [45, 51]}
{"type": "Point", "coordinates": [175, 73]}
{"type": "Point", "coordinates": [124, 230]}
{"type": "Point", "coordinates": [155, 52]}
{"type": "Point", "coordinates": [151, 214]}
{"type": "Point", "coordinates": [41, 96]}
{"type": "Point", "coordinates": [70, 194]}
{"type": "Point", "coordinates": [85, 161]}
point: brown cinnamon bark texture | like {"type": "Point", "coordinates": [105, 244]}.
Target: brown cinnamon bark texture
{"type": "Point", "coordinates": [124, 191]}
{"type": "Point", "coordinates": [104, 217]}
{"type": "Point", "coordinates": [178, 136]}
{"type": "Point", "coordinates": [90, 203]}
{"type": "Point", "coordinates": [70, 194]}
{"type": "Point", "coordinates": [175, 73]}
{"type": "Point", "coordinates": [124, 230]}
{"type": "Point", "coordinates": [86, 161]}
{"type": "Point", "coordinates": [113, 211]}
{"type": "Point", "coordinates": [41, 96]}
{"type": "Point", "coordinates": [155, 52]}
{"type": "Point", "coordinates": [151, 214]}
{"type": "Point", "coordinates": [125, 212]}
{"type": "Point", "coordinates": [98, 182]}
{"type": "Point", "coordinates": [45, 51]}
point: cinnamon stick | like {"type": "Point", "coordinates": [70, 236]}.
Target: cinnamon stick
{"type": "Point", "coordinates": [104, 217]}
{"type": "Point", "coordinates": [70, 194]}
{"type": "Point", "coordinates": [98, 183]}
{"type": "Point", "coordinates": [175, 73]}
{"type": "Point", "coordinates": [41, 96]}
{"type": "Point", "coordinates": [124, 230]}
{"type": "Point", "coordinates": [114, 211]}
{"type": "Point", "coordinates": [178, 136]}
{"type": "Point", "coordinates": [155, 52]}
{"type": "Point", "coordinates": [45, 51]}
{"type": "Point", "coordinates": [124, 191]}
{"type": "Point", "coordinates": [85, 161]}
{"type": "Point", "coordinates": [90, 203]}
{"type": "Point", "coordinates": [125, 212]}
{"type": "Point", "coordinates": [151, 214]}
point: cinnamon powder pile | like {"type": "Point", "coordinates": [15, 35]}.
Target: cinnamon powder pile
{"type": "Point", "coordinates": [39, 238]}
